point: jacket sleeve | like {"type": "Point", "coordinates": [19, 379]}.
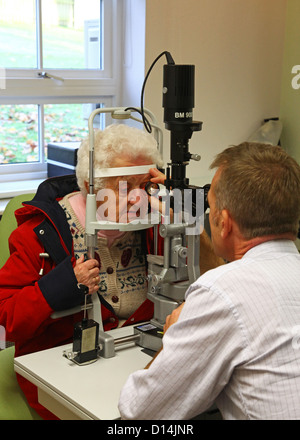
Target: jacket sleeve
{"type": "Point", "coordinates": [27, 300]}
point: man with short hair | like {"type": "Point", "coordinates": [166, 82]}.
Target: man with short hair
{"type": "Point", "coordinates": [235, 341]}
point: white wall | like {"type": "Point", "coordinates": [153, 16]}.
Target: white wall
{"type": "Point", "coordinates": [290, 97]}
{"type": "Point", "coordinates": [237, 48]}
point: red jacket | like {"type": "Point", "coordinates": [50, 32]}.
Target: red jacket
{"type": "Point", "coordinates": [32, 287]}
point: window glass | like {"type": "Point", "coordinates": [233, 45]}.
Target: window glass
{"type": "Point", "coordinates": [65, 123]}
{"type": "Point", "coordinates": [71, 34]}
{"type": "Point", "coordinates": [17, 30]}
{"type": "Point", "coordinates": [18, 134]}
{"type": "Point", "coordinates": [19, 139]}
{"type": "Point", "coordinates": [38, 103]}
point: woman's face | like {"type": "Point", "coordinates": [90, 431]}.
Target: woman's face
{"type": "Point", "coordinates": [124, 199]}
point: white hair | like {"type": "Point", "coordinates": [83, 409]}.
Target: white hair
{"type": "Point", "coordinates": [111, 143]}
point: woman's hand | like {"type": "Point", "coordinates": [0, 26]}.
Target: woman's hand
{"type": "Point", "coordinates": [87, 273]}
{"type": "Point", "coordinates": [157, 176]}
{"type": "Point", "coordinates": [157, 205]}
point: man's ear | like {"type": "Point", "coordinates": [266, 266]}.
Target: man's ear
{"type": "Point", "coordinates": [226, 223]}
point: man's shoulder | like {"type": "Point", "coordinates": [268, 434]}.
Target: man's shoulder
{"type": "Point", "coordinates": [220, 275]}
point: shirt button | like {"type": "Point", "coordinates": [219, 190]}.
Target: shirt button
{"type": "Point", "coordinates": [115, 299]}
{"type": "Point", "coordinates": [109, 270]}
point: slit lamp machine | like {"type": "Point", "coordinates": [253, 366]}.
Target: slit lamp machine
{"type": "Point", "coordinates": [169, 275]}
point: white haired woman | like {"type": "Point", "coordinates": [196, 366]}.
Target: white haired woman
{"type": "Point", "coordinates": [121, 256]}
{"type": "Point", "coordinates": [49, 254]}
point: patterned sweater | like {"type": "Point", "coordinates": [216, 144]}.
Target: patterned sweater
{"type": "Point", "coordinates": [122, 265]}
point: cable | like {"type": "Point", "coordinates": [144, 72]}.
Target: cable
{"type": "Point", "coordinates": [146, 123]}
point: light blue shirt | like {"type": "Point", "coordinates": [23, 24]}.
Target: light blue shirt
{"type": "Point", "coordinates": [236, 343]}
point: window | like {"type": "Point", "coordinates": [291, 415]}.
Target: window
{"type": "Point", "coordinates": [56, 66]}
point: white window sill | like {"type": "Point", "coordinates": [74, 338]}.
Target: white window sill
{"type": "Point", "coordinates": [8, 190]}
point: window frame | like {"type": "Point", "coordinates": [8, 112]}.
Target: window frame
{"type": "Point", "coordinates": [24, 86]}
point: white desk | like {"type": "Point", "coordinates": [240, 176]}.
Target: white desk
{"type": "Point", "coordinates": [82, 392]}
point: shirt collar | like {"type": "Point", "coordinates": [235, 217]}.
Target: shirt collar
{"type": "Point", "coordinates": [272, 246]}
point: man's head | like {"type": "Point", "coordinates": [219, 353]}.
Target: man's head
{"type": "Point", "coordinates": [258, 185]}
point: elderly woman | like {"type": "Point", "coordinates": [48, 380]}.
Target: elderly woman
{"type": "Point", "coordinates": [49, 256]}
{"type": "Point", "coordinates": [48, 253]}
{"type": "Point", "coordinates": [121, 256]}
